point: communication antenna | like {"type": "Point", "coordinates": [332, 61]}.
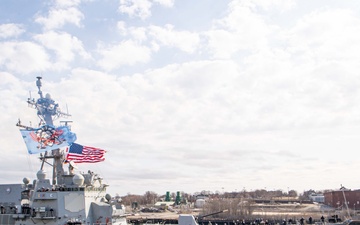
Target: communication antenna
{"type": "Point", "coordinates": [47, 109]}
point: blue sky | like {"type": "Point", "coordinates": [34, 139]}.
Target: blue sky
{"type": "Point", "coordinates": [190, 95]}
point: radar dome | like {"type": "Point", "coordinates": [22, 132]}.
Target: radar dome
{"type": "Point", "coordinates": [48, 96]}
{"type": "Point", "coordinates": [26, 180]}
{"type": "Point", "coordinates": [78, 179]}
{"type": "Point", "coordinates": [41, 175]}
{"type": "Point", "coordinates": [108, 197]}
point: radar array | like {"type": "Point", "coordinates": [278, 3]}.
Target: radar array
{"type": "Point", "coordinates": [47, 109]}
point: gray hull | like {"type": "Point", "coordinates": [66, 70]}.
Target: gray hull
{"type": "Point", "coordinates": [70, 203]}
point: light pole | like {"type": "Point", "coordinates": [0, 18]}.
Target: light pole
{"type": "Point", "coordinates": [354, 209]}
{"type": "Point", "coordinates": [288, 195]}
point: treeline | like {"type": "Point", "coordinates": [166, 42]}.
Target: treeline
{"type": "Point", "coordinates": [150, 197]}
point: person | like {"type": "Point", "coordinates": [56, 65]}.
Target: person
{"type": "Point", "coordinates": [310, 220]}
{"type": "Point", "coordinates": [322, 219]}
{"type": "Point", "coordinates": [302, 221]}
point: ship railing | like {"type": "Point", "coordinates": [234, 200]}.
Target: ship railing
{"type": "Point", "coordinates": [43, 213]}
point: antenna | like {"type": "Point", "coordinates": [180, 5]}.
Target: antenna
{"type": "Point", "coordinates": [47, 109]}
{"type": "Point", "coordinates": [39, 84]}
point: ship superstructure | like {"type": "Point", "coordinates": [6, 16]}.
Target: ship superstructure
{"type": "Point", "coordinates": [66, 197]}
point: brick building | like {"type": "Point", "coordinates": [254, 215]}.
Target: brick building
{"type": "Point", "coordinates": [337, 198]}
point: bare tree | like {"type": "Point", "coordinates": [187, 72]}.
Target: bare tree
{"type": "Point", "coordinates": [150, 197]}
{"type": "Point", "coordinates": [234, 207]}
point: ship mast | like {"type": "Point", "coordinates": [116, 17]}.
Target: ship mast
{"type": "Point", "coordinates": [48, 111]}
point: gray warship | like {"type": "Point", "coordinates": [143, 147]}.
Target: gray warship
{"type": "Point", "coordinates": [68, 197]}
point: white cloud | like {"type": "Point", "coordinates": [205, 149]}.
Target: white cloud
{"type": "Point", "coordinates": [121, 26]}
{"type": "Point", "coordinates": [14, 92]}
{"type": "Point", "coordinates": [125, 53]}
{"type": "Point", "coordinates": [141, 8]}
{"type": "Point", "coordinates": [325, 36]}
{"type": "Point", "coordinates": [183, 40]}
{"type": "Point", "coordinates": [278, 5]}
{"type": "Point", "coordinates": [280, 88]}
{"type": "Point", "coordinates": [139, 34]}
{"type": "Point", "coordinates": [23, 57]}
{"type": "Point", "coordinates": [158, 37]}
{"type": "Point", "coordinates": [58, 17]}
{"type": "Point", "coordinates": [241, 29]}
{"type": "Point", "coordinates": [166, 3]}
{"type": "Point", "coordinates": [67, 3]}
{"type": "Point", "coordinates": [194, 111]}
{"type": "Point", "coordinates": [65, 46]}
{"type": "Point", "coordinates": [10, 30]}
{"type": "Point", "coordinates": [136, 8]}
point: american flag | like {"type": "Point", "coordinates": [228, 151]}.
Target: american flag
{"type": "Point", "coordinates": [84, 154]}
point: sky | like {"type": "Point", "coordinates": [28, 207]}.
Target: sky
{"type": "Point", "coordinates": [190, 95]}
